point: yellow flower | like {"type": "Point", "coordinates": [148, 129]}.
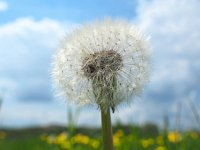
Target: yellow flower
{"type": "Point", "coordinates": [82, 139]}
{"type": "Point", "coordinates": [147, 142]}
{"type": "Point", "coordinates": [94, 143]}
{"type": "Point", "coordinates": [174, 137]}
{"type": "Point", "coordinates": [119, 133]}
{"type": "Point", "coordinates": [116, 140]}
{"type": "Point", "coordinates": [194, 135]}
{"type": "Point", "coordinates": [61, 138]}
{"type": "Point", "coordinates": [117, 136]}
{"type": "Point", "coordinates": [85, 140]}
{"type": "Point", "coordinates": [161, 148]}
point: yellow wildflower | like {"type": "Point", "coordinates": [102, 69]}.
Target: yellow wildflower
{"type": "Point", "coordinates": [82, 139]}
{"type": "Point", "coordinates": [147, 142]}
{"type": "Point", "coordinates": [119, 133]}
{"type": "Point", "coordinates": [61, 138]}
{"type": "Point", "coordinates": [116, 140]}
{"type": "Point", "coordinates": [94, 144]}
{"type": "Point", "coordinates": [117, 136]}
{"type": "Point", "coordinates": [174, 137]}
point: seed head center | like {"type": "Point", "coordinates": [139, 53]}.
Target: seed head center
{"type": "Point", "coordinates": [103, 63]}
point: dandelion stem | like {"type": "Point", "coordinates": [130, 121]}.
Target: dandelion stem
{"type": "Point", "coordinates": [107, 130]}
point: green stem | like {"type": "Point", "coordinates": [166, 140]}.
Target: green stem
{"type": "Point", "coordinates": [107, 130]}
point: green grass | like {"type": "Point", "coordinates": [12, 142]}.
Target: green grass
{"type": "Point", "coordinates": [146, 137]}
{"type": "Point", "coordinates": [26, 143]}
{"type": "Point", "coordinates": [26, 139]}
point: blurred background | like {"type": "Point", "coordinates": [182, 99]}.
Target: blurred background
{"type": "Point", "coordinates": [30, 32]}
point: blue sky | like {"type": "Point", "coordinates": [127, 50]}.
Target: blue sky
{"type": "Point", "coordinates": [30, 32]}
{"type": "Point", "coordinates": [74, 11]}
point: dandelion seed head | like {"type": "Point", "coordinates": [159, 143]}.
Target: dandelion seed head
{"type": "Point", "coordinates": [104, 63]}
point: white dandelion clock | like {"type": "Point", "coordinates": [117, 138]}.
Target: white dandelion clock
{"type": "Point", "coordinates": [105, 63]}
{"type": "Point", "coordinates": [109, 58]}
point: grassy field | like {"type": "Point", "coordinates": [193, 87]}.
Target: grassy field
{"type": "Point", "coordinates": [147, 137]}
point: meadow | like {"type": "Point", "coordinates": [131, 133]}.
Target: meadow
{"type": "Point", "coordinates": [131, 137]}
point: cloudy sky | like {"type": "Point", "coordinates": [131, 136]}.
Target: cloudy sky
{"type": "Point", "coordinates": [30, 32]}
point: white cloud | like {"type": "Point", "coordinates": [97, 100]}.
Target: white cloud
{"type": "Point", "coordinates": [19, 114]}
{"type": "Point", "coordinates": [174, 28]}
{"type": "Point", "coordinates": [175, 33]}
{"type": "Point", "coordinates": [178, 27]}
{"type": "Point", "coordinates": [26, 49]}
{"type": "Point", "coordinates": [3, 6]}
